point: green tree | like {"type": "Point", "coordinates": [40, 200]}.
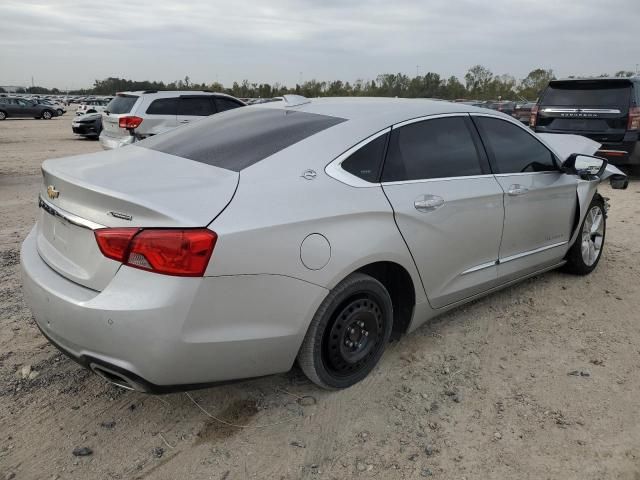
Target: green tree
{"type": "Point", "coordinates": [532, 85]}
{"type": "Point", "coordinates": [477, 80]}
{"type": "Point", "coordinates": [624, 74]}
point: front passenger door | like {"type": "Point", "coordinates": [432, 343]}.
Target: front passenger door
{"type": "Point", "coordinates": [539, 199]}
{"type": "Point", "coordinates": [447, 205]}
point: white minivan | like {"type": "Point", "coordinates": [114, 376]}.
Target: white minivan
{"type": "Point", "coordinates": [133, 116]}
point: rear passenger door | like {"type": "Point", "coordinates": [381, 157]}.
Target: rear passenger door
{"type": "Point", "coordinates": [161, 115]}
{"type": "Point", "coordinates": [447, 205]}
{"type": "Point", "coordinates": [195, 107]}
{"type": "Point", "coordinates": [539, 199]}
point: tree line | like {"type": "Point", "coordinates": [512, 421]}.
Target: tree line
{"type": "Point", "coordinates": [479, 83]}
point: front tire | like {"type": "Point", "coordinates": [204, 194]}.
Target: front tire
{"type": "Point", "coordinates": [348, 333]}
{"type": "Point", "coordinates": [3, 115]}
{"type": "Point", "coordinates": [60, 112]}
{"type": "Point", "coordinates": [47, 115]}
{"type": "Point", "coordinates": [585, 253]}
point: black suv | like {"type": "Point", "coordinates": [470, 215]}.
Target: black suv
{"type": "Point", "coordinates": [606, 110]}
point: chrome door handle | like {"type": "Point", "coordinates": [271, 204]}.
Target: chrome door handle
{"type": "Point", "coordinates": [184, 121]}
{"type": "Point", "coordinates": [428, 203]}
{"type": "Point", "coordinates": [515, 190]}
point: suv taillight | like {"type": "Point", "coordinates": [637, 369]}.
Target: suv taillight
{"type": "Point", "coordinates": [129, 122]}
{"type": "Point", "coordinates": [534, 116]}
{"type": "Point", "coordinates": [634, 119]}
{"type": "Point", "coordinates": [178, 252]}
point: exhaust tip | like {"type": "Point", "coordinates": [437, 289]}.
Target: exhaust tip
{"type": "Point", "coordinates": [115, 378]}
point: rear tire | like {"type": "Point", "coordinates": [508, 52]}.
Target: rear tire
{"type": "Point", "coordinates": [348, 333]}
{"type": "Point", "coordinates": [47, 115]}
{"type": "Point", "coordinates": [585, 253]}
{"type": "Point", "coordinates": [60, 112]}
{"type": "Point", "coordinates": [3, 115]}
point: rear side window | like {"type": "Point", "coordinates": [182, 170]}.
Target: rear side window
{"type": "Point", "coordinates": [241, 137]}
{"type": "Point", "coordinates": [163, 106]}
{"type": "Point", "coordinates": [513, 149]}
{"type": "Point", "coordinates": [122, 104]}
{"type": "Point", "coordinates": [195, 106]}
{"type": "Point", "coordinates": [223, 104]}
{"type": "Point", "coordinates": [436, 148]}
{"type": "Point", "coordinates": [588, 94]}
{"type": "Point", "coordinates": [366, 162]}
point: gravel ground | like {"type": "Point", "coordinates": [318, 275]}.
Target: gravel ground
{"type": "Point", "coordinates": [537, 381]}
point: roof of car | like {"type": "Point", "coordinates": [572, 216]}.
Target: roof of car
{"type": "Point", "coordinates": [598, 79]}
{"type": "Point", "coordinates": [382, 111]}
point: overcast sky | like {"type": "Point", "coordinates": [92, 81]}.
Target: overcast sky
{"type": "Point", "coordinates": [68, 44]}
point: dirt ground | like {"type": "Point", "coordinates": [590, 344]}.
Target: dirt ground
{"type": "Point", "coordinates": [537, 381]}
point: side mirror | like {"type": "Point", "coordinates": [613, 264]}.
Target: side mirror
{"type": "Point", "coordinates": [585, 166]}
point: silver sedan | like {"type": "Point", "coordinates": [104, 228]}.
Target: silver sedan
{"type": "Point", "coordinates": [300, 230]}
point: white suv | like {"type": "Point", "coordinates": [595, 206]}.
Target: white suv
{"type": "Point", "coordinates": [132, 116]}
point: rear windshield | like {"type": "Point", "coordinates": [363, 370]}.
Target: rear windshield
{"type": "Point", "coordinates": [122, 104]}
{"type": "Point", "coordinates": [603, 94]}
{"type": "Point", "coordinates": [238, 138]}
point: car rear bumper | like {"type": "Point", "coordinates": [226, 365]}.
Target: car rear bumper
{"type": "Point", "coordinates": [109, 143]}
{"type": "Point", "coordinates": [86, 130]}
{"type": "Point", "coordinates": [158, 333]}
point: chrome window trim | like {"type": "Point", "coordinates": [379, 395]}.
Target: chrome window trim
{"type": "Point", "coordinates": [530, 252]}
{"type": "Point", "coordinates": [546, 172]}
{"type": "Point", "coordinates": [580, 110]}
{"type": "Point", "coordinates": [334, 168]}
{"type": "Point", "coordinates": [56, 211]}
{"type": "Point", "coordinates": [442, 179]}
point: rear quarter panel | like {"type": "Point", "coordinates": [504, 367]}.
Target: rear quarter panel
{"type": "Point", "coordinates": [275, 209]}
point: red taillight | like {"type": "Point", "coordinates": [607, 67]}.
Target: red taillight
{"type": "Point", "coordinates": [177, 252]}
{"type": "Point", "coordinates": [114, 242]}
{"type": "Point", "coordinates": [634, 119]}
{"type": "Point", "coordinates": [534, 116]}
{"type": "Point", "coordinates": [129, 122]}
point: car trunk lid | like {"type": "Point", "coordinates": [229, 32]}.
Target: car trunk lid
{"type": "Point", "coordinates": [132, 187]}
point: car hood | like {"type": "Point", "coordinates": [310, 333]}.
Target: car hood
{"type": "Point", "coordinates": [566, 145]}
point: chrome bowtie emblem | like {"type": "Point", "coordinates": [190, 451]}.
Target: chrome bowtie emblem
{"type": "Point", "coordinates": [309, 174]}
{"type": "Point", "coordinates": [52, 192]}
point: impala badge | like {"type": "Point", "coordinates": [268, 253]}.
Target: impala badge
{"type": "Point", "coordinates": [52, 192]}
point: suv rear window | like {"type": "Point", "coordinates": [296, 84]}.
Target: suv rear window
{"type": "Point", "coordinates": [238, 138]}
{"type": "Point", "coordinates": [122, 104]}
{"type": "Point", "coordinates": [588, 94]}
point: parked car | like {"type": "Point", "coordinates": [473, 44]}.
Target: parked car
{"type": "Point", "coordinates": [308, 230]}
{"type": "Point", "coordinates": [57, 106]}
{"type": "Point", "coordinates": [606, 110]}
{"type": "Point", "coordinates": [133, 116]}
{"type": "Point", "coordinates": [522, 111]}
{"type": "Point", "coordinates": [20, 107]}
{"type": "Point", "coordinates": [503, 106]}
{"type": "Point", "coordinates": [88, 125]}
{"type": "Point", "coordinates": [92, 106]}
